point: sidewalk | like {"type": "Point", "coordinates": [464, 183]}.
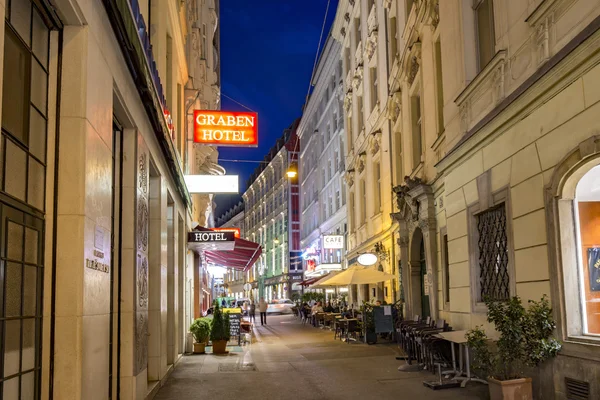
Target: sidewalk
{"type": "Point", "coordinates": [290, 361]}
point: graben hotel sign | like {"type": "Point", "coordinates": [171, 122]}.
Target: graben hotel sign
{"type": "Point", "coordinates": [226, 128]}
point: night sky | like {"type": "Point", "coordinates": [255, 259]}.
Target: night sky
{"type": "Point", "coordinates": [267, 53]}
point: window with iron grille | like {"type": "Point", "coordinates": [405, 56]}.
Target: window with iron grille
{"type": "Point", "coordinates": [494, 281]}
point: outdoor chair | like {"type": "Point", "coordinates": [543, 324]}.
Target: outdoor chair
{"type": "Point", "coordinates": [320, 318]}
{"type": "Point", "coordinates": [340, 328]}
{"type": "Point", "coordinates": [352, 329]}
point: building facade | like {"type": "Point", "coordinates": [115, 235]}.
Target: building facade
{"type": "Point", "coordinates": [272, 213]}
{"type": "Point", "coordinates": [498, 158]}
{"type": "Point", "coordinates": [94, 206]}
{"type": "Point", "coordinates": [321, 166]}
{"type": "Point", "coordinates": [234, 279]}
{"type": "Point", "coordinates": [360, 27]}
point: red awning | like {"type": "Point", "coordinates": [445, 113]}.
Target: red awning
{"type": "Point", "coordinates": [242, 257]}
{"type": "Point", "coordinates": [310, 281]}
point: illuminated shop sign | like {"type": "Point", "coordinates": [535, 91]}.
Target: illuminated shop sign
{"type": "Point", "coordinates": [210, 237]}
{"type": "Point", "coordinates": [225, 128]}
{"type": "Point", "coordinates": [212, 183]}
{"type": "Point", "coordinates": [236, 231]}
{"type": "Point", "coordinates": [333, 242]}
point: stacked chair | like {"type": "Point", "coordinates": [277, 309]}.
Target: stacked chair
{"type": "Point", "coordinates": [417, 338]}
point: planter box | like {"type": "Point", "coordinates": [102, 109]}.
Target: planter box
{"type": "Point", "coordinates": [371, 338]}
{"type": "Point", "coordinates": [514, 389]}
{"type": "Point", "coordinates": [199, 348]}
{"type": "Point", "coordinates": [219, 346]}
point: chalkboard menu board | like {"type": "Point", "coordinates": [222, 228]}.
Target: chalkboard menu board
{"type": "Point", "coordinates": [234, 324]}
{"type": "Point", "coordinates": [384, 320]}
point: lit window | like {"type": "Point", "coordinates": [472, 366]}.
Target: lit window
{"type": "Point", "coordinates": [486, 42]}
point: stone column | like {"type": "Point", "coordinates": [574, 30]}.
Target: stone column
{"type": "Point", "coordinates": [81, 358]}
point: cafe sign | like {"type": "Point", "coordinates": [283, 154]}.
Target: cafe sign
{"type": "Point", "coordinates": [333, 242]}
{"type": "Point", "coordinates": [226, 128]}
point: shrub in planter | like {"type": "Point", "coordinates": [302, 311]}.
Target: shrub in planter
{"type": "Point", "coordinates": [200, 329]}
{"type": "Point", "coordinates": [219, 332]}
{"type": "Point", "coordinates": [525, 341]}
{"type": "Point", "coordinates": [369, 320]}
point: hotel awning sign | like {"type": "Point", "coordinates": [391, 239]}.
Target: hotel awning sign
{"type": "Point", "coordinates": [205, 240]}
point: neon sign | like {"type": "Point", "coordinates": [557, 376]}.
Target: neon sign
{"type": "Point", "coordinates": [225, 128]}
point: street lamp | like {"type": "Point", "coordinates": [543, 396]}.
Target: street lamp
{"type": "Point", "coordinates": [276, 241]}
{"type": "Point", "coordinates": [292, 171]}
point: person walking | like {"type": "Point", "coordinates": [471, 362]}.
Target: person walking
{"type": "Point", "coordinates": [262, 307]}
{"type": "Point", "coordinates": [252, 312]}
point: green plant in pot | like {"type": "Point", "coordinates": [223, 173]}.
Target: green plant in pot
{"type": "Point", "coordinates": [219, 332]}
{"type": "Point", "coordinates": [369, 322]}
{"type": "Point", "coordinates": [200, 329]}
{"type": "Point", "coordinates": [525, 341]}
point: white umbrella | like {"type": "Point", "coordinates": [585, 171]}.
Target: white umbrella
{"type": "Point", "coordinates": [322, 283]}
{"type": "Point", "coordinates": [358, 275]}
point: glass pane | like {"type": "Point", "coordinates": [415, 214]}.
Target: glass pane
{"type": "Point", "coordinates": [20, 17]}
{"type": "Point", "coordinates": [37, 134]}
{"type": "Point", "coordinates": [31, 246]}
{"type": "Point", "coordinates": [29, 290]}
{"type": "Point", "coordinates": [15, 241]}
{"type": "Point", "coordinates": [39, 81]}
{"type": "Point", "coordinates": [12, 338]}
{"type": "Point", "coordinates": [28, 386]}
{"type": "Point", "coordinates": [12, 295]}
{"type": "Point", "coordinates": [15, 90]}
{"type": "Point", "coordinates": [36, 184]}
{"type": "Point", "coordinates": [40, 38]}
{"type": "Point", "coordinates": [14, 181]}
{"type": "Point", "coordinates": [28, 361]}
{"type": "Point", "coordinates": [485, 32]}
{"type": "Point", "coordinates": [11, 389]}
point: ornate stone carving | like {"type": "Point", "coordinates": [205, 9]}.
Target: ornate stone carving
{"type": "Point", "coordinates": [142, 224]}
{"type": "Point", "coordinates": [358, 77]}
{"type": "Point", "coordinates": [435, 13]}
{"type": "Point", "coordinates": [372, 23]}
{"type": "Point", "coordinates": [403, 241]}
{"type": "Point", "coordinates": [498, 83]}
{"type": "Point", "coordinates": [343, 32]}
{"type": "Point", "coordinates": [141, 341]}
{"type": "Point", "coordinates": [347, 17]}
{"type": "Point", "coordinates": [371, 45]}
{"type": "Point", "coordinates": [358, 55]}
{"type": "Point", "coordinates": [348, 101]}
{"type": "Point", "coordinates": [142, 282]}
{"type": "Point", "coordinates": [464, 116]}
{"type": "Point", "coordinates": [424, 224]}
{"type": "Point", "coordinates": [360, 162]}
{"type": "Point", "coordinates": [351, 2]}
{"type": "Point", "coordinates": [408, 207]}
{"type": "Point", "coordinates": [375, 142]}
{"type": "Point", "coordinates": [143, 174]}
{"type": "Point", "coordinates": [414, 69]}
{"type": "Point", "coordinates": [394, 106]}
{"type": "Point", "coordinates": [349, 177]}
{"type": "Point", "coordinates": [387, 4]}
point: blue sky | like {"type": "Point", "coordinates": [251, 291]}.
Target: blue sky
{"type": "Point", "coordinates": [267, 53]}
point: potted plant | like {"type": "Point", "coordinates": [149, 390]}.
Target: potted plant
{"type": "Point", "coordinates": [219, 332]}
{"type": "Point", "coordinates": [369, 323]}
{"type": "Point", "coordinates": [200, 329]}
{"type": "Point", "coordinates": [525, 341]}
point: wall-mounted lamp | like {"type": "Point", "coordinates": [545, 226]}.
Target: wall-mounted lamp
{"type": "Point", "coordinates": [292, 171]}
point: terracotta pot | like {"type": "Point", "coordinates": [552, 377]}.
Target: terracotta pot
{"type": "Point", "coordinates": [514, 389]}
{"type": "Point", "coordinates": [199, 348]}
{"type": "Point", "coordinates": [219, 346]}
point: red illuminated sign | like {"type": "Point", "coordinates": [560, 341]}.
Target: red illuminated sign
{"type": "Point", "coordinates": [226, 128]}
{"type": "Point", "coordinates": [236, 231]}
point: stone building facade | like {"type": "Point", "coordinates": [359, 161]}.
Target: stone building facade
{"type": "Point", "coordinates": [94, 206]}
{"type": "Point", "coordinates": [360, 27]}
{"type": "Point", "coordinates": [493, 111]}
{"type": "Point", "coordinates": [271, 203]}
{"type": "Point", "coordinates": [234, 279]}
{"type": "Point", "coordinates": [322, 164]}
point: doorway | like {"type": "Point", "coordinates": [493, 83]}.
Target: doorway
{"type": "Point", "coordinates": [419, 288]}
{"type": "Point", "coordinates": [115, 263]}
{"type": "Point", "coordinates": [426, 312]}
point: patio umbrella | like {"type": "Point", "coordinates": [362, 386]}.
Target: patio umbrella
{"type": "Point", "coordinates": [322, 283]}
{"type": "Point", "coordinates": [358, 275]}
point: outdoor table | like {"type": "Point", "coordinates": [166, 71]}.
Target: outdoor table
{"type": "Point", "coordinates": [458, 337]}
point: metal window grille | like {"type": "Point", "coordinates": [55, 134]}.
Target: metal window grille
{"type": "Point", "coordinates": [493, 254]}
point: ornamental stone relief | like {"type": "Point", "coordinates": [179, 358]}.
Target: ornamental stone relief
{"type": "Point", "coordinates": [360, 162]}
{"type": "Point", "coordinates": [387, 4]}
{"type": "Point", "coordinates": [142, 224]}
{"type": "Point", "coordinates": [141, 341]}
{"type": "Point", "coordinates": [358, 77]}
{"type": "Point", "coordinates": [371, 45]}
{"type": "Point", "coordinates": [349, 177]}
{"type": "Point", "coordinates": [143, 174]}
{"type": "Point", "coordinates": [142, 282]}
{"type": "Point", "coordinates": [375, 142]}
{"type": "Point", "coordinates": [413, 70]}
{"type": "Point", "coordinates": [394, 106]}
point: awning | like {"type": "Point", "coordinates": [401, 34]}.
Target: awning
{"type": "Point", "coordinates": [244, 254]}
{"type": "Point", "coordinates": [310, 281]}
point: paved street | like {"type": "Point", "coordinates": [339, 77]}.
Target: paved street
{"type": "Point", "coordinates": [290, 361]}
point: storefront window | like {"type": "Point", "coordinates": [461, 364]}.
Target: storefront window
{"type": "Point", "coordinates": [587, 215]}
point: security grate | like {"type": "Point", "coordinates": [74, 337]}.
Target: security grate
{"type": "Point", "coordinates": [577, 390]}
{"type": "Point", "coordinates": [493, 254]}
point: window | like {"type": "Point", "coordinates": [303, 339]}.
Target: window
{"type": "Point", "coordinates": [373, 81]}
{"type": "Point", "coordinates": [393, 38]}
{"type": "Point", "coordinates": [415, 106]}
{"type": "Point", "coordinates": [363, 201]}
{"type": "Point", "coordinates": [377, 187]}
{"type": "Point", "coordinates": [446, 266]}
{"type": "Point", "coordinates": [351, 212]}
{"type": "Point", "coordinates": [361, 112]}
{"type": "Point", "coordinates": [484, 22]}
{"type": "Point", "coordinates": [350, 130]}
{"type": "Point", "coordinates": [439, 87]}
{"type": "Point", "coordinates": [330, 206]}
{"type": "Point", "coordinates": [337, 200]}
{"type": "Point", "coordinates": [492, 245]}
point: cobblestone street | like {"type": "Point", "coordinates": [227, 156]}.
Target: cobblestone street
{"type": "Point", "coordinates": [289, 360]}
